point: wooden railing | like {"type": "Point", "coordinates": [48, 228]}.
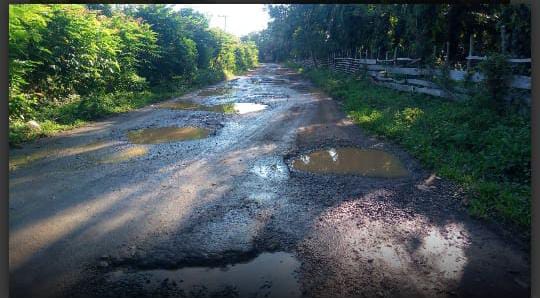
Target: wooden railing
{"type": "Point", "coordinates": [415, 79]}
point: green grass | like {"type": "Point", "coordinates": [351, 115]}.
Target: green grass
{"type": "Point", "coordinates": [487, 154]}
{"type": "Point", "coordinates": [54, 119]}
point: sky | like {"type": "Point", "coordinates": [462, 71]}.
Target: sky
{"type": "Point", "coordinates": [241, 18]}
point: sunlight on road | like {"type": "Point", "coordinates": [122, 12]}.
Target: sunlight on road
{"type": "Point", "coordinates": [413, 251]}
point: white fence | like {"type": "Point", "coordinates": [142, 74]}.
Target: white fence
{"type": "Point", "coordinates": [413, 79]}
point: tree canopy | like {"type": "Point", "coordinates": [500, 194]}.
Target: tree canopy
{"type": "Point", "coordinates": [417, 30]}
{"type": "Point", "coordinates": [61, 53]}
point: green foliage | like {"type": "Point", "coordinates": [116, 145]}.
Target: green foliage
{"type": "Point", "coordinates": [488, 154]}
{"type": "Point", "coordinates": [416, 30]}
{"type": "Point", "coordinates": [74, 63]}
{"type": "Point", "coordinates": [498, 74]}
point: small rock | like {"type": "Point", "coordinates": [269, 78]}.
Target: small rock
{"type": "Point", "coordinates": [33, 125]}
{"type": "Point", "coordinates": [103, 264]}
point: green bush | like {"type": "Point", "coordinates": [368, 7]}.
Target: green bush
{"type": "Point", "coordinates": [74, 63]}
{"type": "Point", "coordinates": [498, 74]}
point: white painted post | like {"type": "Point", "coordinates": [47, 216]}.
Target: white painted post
{"type": "Point", "coordinates": [447, 52]}
{"type": "Point", "coordinates": [471, 49]}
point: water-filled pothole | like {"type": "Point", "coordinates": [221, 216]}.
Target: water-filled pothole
{"type": "Point", "coordinates": [228, 108]}
{"type": "Point", "coordinates": [167, 134]}
{"type": "Point", "coordinates": [268, 275]}
{"type": "Point", "coordinates": [248, 107]}
{"type": "Point", "coordinates": [350, 160]}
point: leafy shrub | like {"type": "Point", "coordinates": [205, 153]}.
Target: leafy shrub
{"type": "Point", "coordinates": [72, 63]}
{"type": "Point", "coordinates": [498, 74]}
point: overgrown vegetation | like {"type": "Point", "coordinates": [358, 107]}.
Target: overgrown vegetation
{"type": "Point", "coordinates": [485, 152]}
{"type": "Point", "coordinates": [498, 75]}
{"type": "Point", "coordinates": [73, 63]}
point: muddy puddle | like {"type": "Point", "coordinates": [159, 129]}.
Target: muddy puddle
{"type": "Point", "coordinates": [167, 134]}
{"type": "Point", "coordinates": [228, 108]}
{"type": "Point", "coordinates": [268, 275]}
{"type": "Point", "coordinates": [349, 160]}
{"type": "Point", "coordinates": [247, 107]}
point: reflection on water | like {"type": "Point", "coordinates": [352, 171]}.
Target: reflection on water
{"type": "Point", "coordinates": [247, 107]}
{"type": "Point", "coordinates": [268, 275]}
{"type": "Point", "coordinates": [333, 154]}
{"type": "Point", "coordinates": [167, 134]}
{"type": "Point", "coordinates": [367, 162]}
{"type": "Point", "coordinates": [228, 108]}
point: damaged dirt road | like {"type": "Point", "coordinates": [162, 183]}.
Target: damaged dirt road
{"type": "Point", "coordinates": [111, 210]}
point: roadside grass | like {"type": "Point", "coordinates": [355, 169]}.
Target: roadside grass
{"type": "Point", "coordinates": [78, 113]}
{"type": "Point", "coordinates": [487, 154]}
{"type": "Point", "coordinates": [54, 119]}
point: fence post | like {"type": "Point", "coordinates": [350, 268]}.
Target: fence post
{"type": "Point", "coordinates": [503, 39]}
{"type": "Point", "coordinates": [471, 49]}
{"type": "Point", "coordinates": [447, 58]}
{"type": "Point", "coordinates": [395, 55]}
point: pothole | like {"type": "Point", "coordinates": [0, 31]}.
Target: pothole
{"type": "Point", "coordinates": [267, 275]}
{"type": "Point", "coordinates": [247, 107]}
{"type": "Point", "coordinates": [350, 160]}
{"type": "Point", "coordinates": [167, 134]}
{"type": "Point", "coordinates": [228, 108]}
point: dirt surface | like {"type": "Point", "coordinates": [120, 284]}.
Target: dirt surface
{"type": "Point", "coordinates": [226, 215]}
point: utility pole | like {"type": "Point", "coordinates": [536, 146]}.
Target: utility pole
{"type": "Point", "coordinates": [225, 19]}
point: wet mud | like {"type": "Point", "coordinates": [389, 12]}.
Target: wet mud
{"type": "Point", "coordinates": [231, 213]}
